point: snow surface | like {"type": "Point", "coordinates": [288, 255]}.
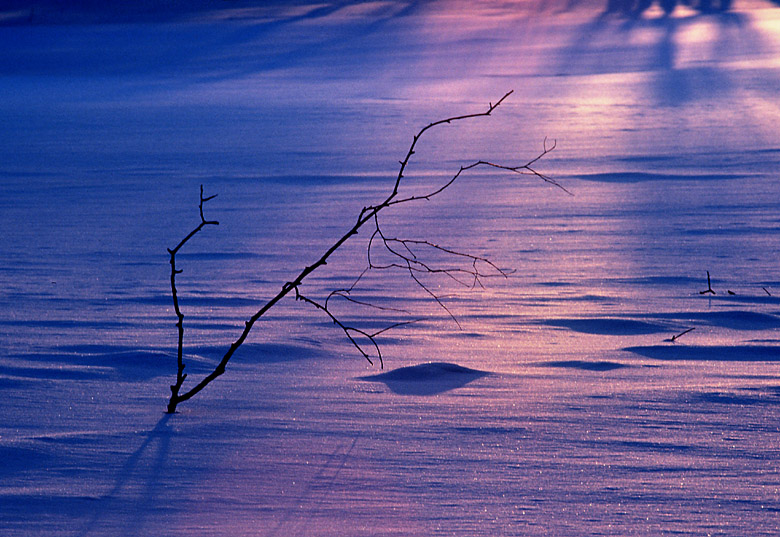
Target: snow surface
{"type": "Point", "coordinates": [561, 407]}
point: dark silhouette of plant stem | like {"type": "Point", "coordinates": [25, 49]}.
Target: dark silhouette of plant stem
{"type": "Point", "coordinates": [708, 290]}
{"type": "Point", "coordinates": [678, 336]}
{"type": "Point", "coordinates": [403, 252]}
{"type": "Point", "coordinates": [181, 375]}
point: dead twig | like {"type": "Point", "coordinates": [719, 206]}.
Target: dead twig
{"type": "Point", "coordinates": [709, 286]}
{"type": "Point", "coordinates": [181, 375]}
{"type": "Point", "coordinates": [404, 254]}
{"type": "Point", "coordinates": [676, 337]}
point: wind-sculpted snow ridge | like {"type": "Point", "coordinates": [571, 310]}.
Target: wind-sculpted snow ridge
{"type": "Point", "coordinates": [665, 322]}
{"type": "Point", "coordinates": [733, 319]}
{"type": "Point", "coordinates": [93, 362]}
{"type": "Point", "coordinates": [609, 326]}
{"type": "Point", "coordinates": [711, 353]}
{"type": "Point", "coordinates": [127, 364]}
{"type": "Point", "coordinates": [584, 365]}
{"type": "Point", "coordinates": [636, 177]}
{"type": "Point", "coordinates": [267, 352]}
{"type": "Point", "coordinates": [745, 397]}
{"type": "Point", "coordinates": [581, 417]}
{"type": "Point", "coordinates": [427, 379]}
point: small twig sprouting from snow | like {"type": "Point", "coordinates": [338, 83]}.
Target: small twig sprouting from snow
{"type": "Point", "coordinates": [181, 375]}
{"type": "Point", "coordinates": [677, 336]}
{"type": "Point", "coordinates": [709, 286]}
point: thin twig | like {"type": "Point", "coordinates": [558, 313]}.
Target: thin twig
{"type": "Point", "coordinates": [676, 337]}
{"type": "Point", "coordinates": [709, 286]}
{"type": "Point", "coordinates": [181, 375]}
{"type": "Point", "coordinates": [348, 330]}
{"type": "Point", "coordinates": [343, 293]}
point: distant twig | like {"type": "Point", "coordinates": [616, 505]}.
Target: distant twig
{"type": "Point", "coordinates": [709, 286]}
{"type": "Point", "coordinates": [766, 291]}
{"type": "Point", "coordinates": [676, 337]}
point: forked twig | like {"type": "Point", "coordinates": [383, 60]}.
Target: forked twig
{"type": "Point", "coordinates": [181, 375]}
{"type": "Point", "coordinates": [708, 290]}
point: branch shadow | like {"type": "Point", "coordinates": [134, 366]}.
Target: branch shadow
{"type": "Point", "coordinates": [708, 353]}
{"type": "Point", "coordinates": [606, 45]}
{"type": "Point", "coordinates": [142, 472]}
{"type": "Point", "coordinates": [237, 55]}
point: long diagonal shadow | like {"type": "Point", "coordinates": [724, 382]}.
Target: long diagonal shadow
{"type": "Point", "coordinates": [294, 521]}
{"type": "Point", "coordinates": [157, 446]}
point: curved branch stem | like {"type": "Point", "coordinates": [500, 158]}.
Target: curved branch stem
{"type": "Point", "coordinates": [181, 375]}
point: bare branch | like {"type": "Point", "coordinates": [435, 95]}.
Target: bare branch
{"type": "Point", "coordinates": [708, 290]}
{"type": "Point", "coordinates": [181, 375]}
{"type": "Point", "coordinates": [396, 325]}
{"type": "Point", "coordinates": [678, 336]}
{"type": "Point", "coordinates": [345, 328]}
{"type": "Point", "coordinates": [343, 293]}
{"type": "Point", "coordinates": [410, 152]}
{"type": "Point", "coordinates": [435, 297]}
{"type": "Point", "coordinates": [401, 249]}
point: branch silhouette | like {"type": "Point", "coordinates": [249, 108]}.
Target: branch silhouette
{"type": "Point", "coordinates": [181, 375]}
{"type": "Point", "coordinates": [708, 290]}
{"type": "Point", "coordinates": [404, 254]}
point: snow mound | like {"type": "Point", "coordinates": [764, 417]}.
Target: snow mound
{"type": "Point", "coordinates": [427, 379]}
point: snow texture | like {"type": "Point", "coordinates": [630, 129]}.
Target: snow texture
{"type": "Point", "coordinates": [571, 401]}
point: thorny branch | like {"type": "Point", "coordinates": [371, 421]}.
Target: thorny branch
{"type": "Point", "coordinates": [404, 254]}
